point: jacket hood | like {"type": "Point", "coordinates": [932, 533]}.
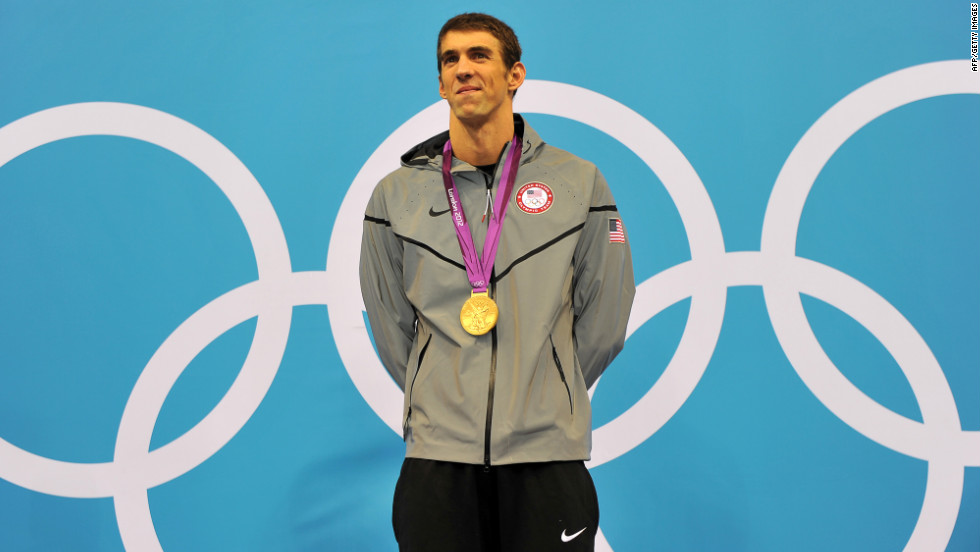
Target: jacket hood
{"type": "Point", "coordinates": [428, 154]}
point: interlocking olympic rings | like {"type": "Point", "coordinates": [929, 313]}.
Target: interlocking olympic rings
{"type": "Point", "coordinates": [783, 276]}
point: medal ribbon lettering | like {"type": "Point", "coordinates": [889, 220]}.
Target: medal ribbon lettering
{"type": "Point", "coordinates": [478, 270]}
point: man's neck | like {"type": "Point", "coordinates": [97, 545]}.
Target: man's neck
{"type": "Point", "coordinates": [480, 144]}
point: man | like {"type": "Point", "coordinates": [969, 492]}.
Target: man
{"type": "Point", "coordinates": [497, 279]}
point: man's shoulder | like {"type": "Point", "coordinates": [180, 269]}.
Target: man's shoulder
{"type": "Point", "coordinates": [402, 188]}
{"type": "Point", "coordinates": [563, 155]}
{"type": "Point", "coordinates": [537, 150]}
{"type": "Point", "coordinates": [399, 184]}
{"type": "Point", "coordinates": [566, 163]}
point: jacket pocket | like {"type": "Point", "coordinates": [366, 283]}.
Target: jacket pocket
{"type": "Point", "coordinates": [561, 374]}
{"type": "Point", "coordinates": [411, 388]}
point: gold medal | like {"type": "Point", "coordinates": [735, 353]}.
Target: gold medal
{"type": "Point", "coordinates": [479, 313]}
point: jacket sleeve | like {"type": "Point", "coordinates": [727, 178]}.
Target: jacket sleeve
{"type": "Point", "coordinates": [389, 311]}
{"type": "Point", "coordinates": [603, 285]}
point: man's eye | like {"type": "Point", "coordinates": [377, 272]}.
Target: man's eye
{"type": "Point", "coordinates": [449, 59]}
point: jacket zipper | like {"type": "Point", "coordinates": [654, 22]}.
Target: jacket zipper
{"type": "Point", "coordinates": [561, 374]}
{"type": "Point", "coordinates": [411, 388]}
{"type": "Point", "coordinates": [493, 363]}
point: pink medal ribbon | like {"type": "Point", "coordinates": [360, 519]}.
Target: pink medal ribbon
{"type": "Point", "coordinates": [478, 269]}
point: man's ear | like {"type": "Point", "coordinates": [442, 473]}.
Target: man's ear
{"type": "Point", "coordinates": [442, 89]}
{"type": "Point", "coordinates": [516, 77]}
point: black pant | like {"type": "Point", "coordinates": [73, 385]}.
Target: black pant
{"type": "Point", "coordinates": [538, 507]}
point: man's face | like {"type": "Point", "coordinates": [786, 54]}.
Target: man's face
{"type": "Point", "coordinates": [473, 77]}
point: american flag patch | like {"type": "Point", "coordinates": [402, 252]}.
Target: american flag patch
{"type": "Point", "coordinates": [616, 234]}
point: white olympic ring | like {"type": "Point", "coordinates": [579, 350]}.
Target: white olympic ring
{"type": "Point", "coordinates": [705, 278]}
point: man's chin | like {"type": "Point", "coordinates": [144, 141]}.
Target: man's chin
{"type": "Point", "coordinates": [470, 116]}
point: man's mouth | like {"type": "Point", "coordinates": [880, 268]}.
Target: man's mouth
{"type": "Point", "coordinates": [466, 89]}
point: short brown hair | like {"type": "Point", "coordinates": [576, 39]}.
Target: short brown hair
{"type": "Point", "coordinates": [483, 22]}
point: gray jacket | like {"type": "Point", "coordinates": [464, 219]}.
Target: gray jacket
{"type": "Point", "coordinates": [562, 281]}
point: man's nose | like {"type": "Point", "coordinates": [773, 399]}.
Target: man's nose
{"type": "Point", "coordinates": [464, 69]}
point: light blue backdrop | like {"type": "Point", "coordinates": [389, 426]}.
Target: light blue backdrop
{"type": "Point", "coordinates": [109, 244]}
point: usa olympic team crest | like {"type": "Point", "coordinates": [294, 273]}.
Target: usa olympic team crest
{"type": "Point", "coordinates": [535, 197]}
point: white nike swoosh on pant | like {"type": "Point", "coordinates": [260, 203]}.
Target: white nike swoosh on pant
{"type": "Point", "coordinates": [566, 538]}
